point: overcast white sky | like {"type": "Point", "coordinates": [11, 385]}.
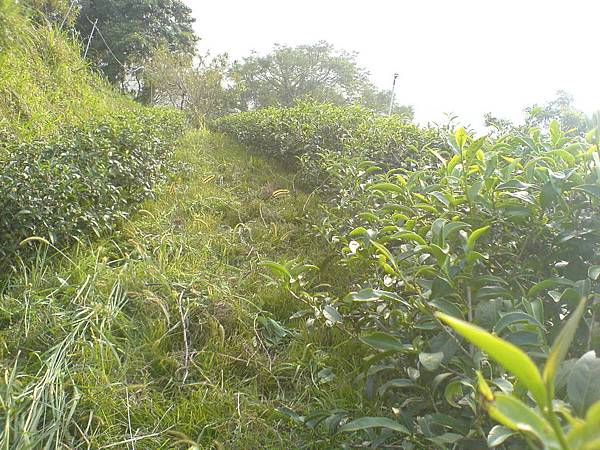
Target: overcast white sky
{"type": "Point", "coordinates": [467, 57]}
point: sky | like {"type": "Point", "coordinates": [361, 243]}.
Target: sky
{"type": "Point", "coordinates": [461, 57]}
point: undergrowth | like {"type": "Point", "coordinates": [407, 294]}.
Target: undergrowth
{"type": "Point", "coordinates": [169, 335]}
{"type": "Point", "coordinates": [45, 85]}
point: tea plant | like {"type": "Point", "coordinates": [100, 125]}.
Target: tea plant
{"type": "Point", "coordinates": [501, 232]}
{"type": "Point", "coordinates": [311, 128]}
{"type": "Point", "coordinates": [83, 181]}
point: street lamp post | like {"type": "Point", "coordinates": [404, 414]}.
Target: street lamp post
{"type": "Point", "coordinates": [392, 97]}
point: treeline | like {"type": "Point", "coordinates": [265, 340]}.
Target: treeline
{"type": "Point", "coordinates": [148, 48]}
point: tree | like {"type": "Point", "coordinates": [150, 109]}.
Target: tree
{"type": "Point", "coordinates": [129, 31]}
{"type": "Point", "coordinates": [195, 84]}
{"type": "Point", "coordinates": [319, 72]}
{"type": "Point", "coordinates": [379, 101]}
{"type": "Point", "coordinates": [561, 109]}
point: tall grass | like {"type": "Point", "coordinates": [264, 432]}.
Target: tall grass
{"type": "Point", "coordinates": [44, 83]}
{"type": "Point", "coordinates": [167, 334]}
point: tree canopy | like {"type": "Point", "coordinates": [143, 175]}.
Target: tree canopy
{"type": "Point", "coordinates": [318, 71]}
{"type": "Point", "coordinates": [129, 31]}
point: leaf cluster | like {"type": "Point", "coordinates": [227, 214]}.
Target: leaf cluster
{"type": "Point", "coordinates": [498, 232]}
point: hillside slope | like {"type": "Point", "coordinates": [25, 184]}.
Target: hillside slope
{"type": "Point", "coordinates": [77, 155]}
{"type": "Point", "coordinates": [44, 83]}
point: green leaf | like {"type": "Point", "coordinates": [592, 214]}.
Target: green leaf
{"type": "Point", "coordinates": [437, 251]}
{"type": "Point", "coordinates": [508, 355]}
{"type": "Point", "coordinates": [586, 435]}
{"type": "Point", "coordinates": [561, 346]}
{"type": "Point", "coordinates": [454, 392]}
{"type": "Point", "coordinates": [396, 383]}
{"type": "Point", "coordinates": [365, 423]}
{"type": "Point", "coordinates": [441, 197]}
{"type": "Point", "coordinates": [446, 307]}
{"type": "Point", "coordinates": [364, 295]}
{"type": "Point", "coordinates": [332, 314]}
{"type": "Point", "coordinates": [515, 317]}
{"type": "Point", "coordinates": [453, 163]}
{"type": "Point", "coordinates": [431, 361]}
{"type": "Point", "coordinates": [411, 236]}
{"type": "Point", "coordinates": [548, 283]}
{"type": "Point", "coordinates": [449, 422]}
{"type": "Point", "coordinates": [359, 231]}
{"type": "Point", "coordinates": [383, 341]}
{"type": "Point", "coordinates": [513, 185]}
{"type": "Point", "coordinates": [446, 438]}
{"type": "Point", "coordinates": [516, 415]}
{"type": "Point", "coordinates": [475, 235]}
{"type": "Point", "coordinates": [590, 189]}
{"type": "Point", "coordinates": [453, 227]}
{"type": "Point", "coordinates": [387, 187]}
{"type": "Point", "coordinates": [583, 385]}
{"type": "Point", "coordinates": [461, 137]}
{"type": "Point", "coordinates": [278, 269]}
{"type": "Point", "coordinates": [498, 435]}
{"type": "Point", "coordinates": [437, 231]}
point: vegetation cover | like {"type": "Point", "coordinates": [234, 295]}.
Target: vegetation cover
{"type": "Point", "coordinates": [76, 155]}
{"type": "Point", "coordinates": [335, 279]}
{"type": "Point", "coordinates": [500, 232]}
{"type": "Point", "coordinates": [311, 127]}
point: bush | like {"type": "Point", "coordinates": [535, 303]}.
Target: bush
{"type": "Point", "coordinates": [311, 128]}
{"type": "Point", "coordinates": [83, 180]}
{"type": "Point", "coordinates": [76, 155]}
{"type": "Point", "coordinates": [499, 232]}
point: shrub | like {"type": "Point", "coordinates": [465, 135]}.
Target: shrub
{"type": "Point", "coordinates": [76, 156]}
{"type": "Point", "coordinates": [83, 180]}
{"type": "Point", "coordinates": [500, 232]}
{"type": "Point", "coordinates": [311, 128]}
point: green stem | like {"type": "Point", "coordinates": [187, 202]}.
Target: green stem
{"type": "Point", "coordinates": [555, 423]}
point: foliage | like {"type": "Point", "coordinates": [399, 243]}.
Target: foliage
{"type": "Point", "coordinates": [197, 87]}
{"type": "Point", "coordinates": [7, 8]}
{"type": "Point", "coordinates": [62, 13]}
{"type": "Point", "coordinates": [85, 180]}
{"type": "Point", "coordinates": [311, 128]}
{"type": "Point", "coordinates": [101, 333]}
{"type": "Point", "coordinates": [429, 289]}
{"type": "Point", "coordinates": [514, 414]}
{"type": "Point", "coordinates": [560, 109]}
{"type": "Point", "coordinates": [501, 232]}
{"type": "Point", "coordinates": [129, 33]}
{"type": "Point", "coordinates": [317, 72]}
{"type": "Point", "coordinates": [76, 156]}
{"type": "Point", "coordinates": [44, 83]}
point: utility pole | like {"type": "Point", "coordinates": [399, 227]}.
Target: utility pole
{"type": "Point", "coordinates": [392, 97]}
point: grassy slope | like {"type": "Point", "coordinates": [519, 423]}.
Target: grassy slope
{"type": "Point", "coordinates": [44, 83]}
{"type": "Point", "coordinates": [92, 343]}
{"type": "Point", "coordinates": [112, 318]}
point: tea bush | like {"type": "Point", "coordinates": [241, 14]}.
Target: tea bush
{"type": "Point", "coordinates": [83, 181]}
{"type": "Point", "coordinates": [499, 232]}
{"type": "Point", "coordinates": [311, 128]}
{"type": "Point", "coordinates": [75, 155]}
